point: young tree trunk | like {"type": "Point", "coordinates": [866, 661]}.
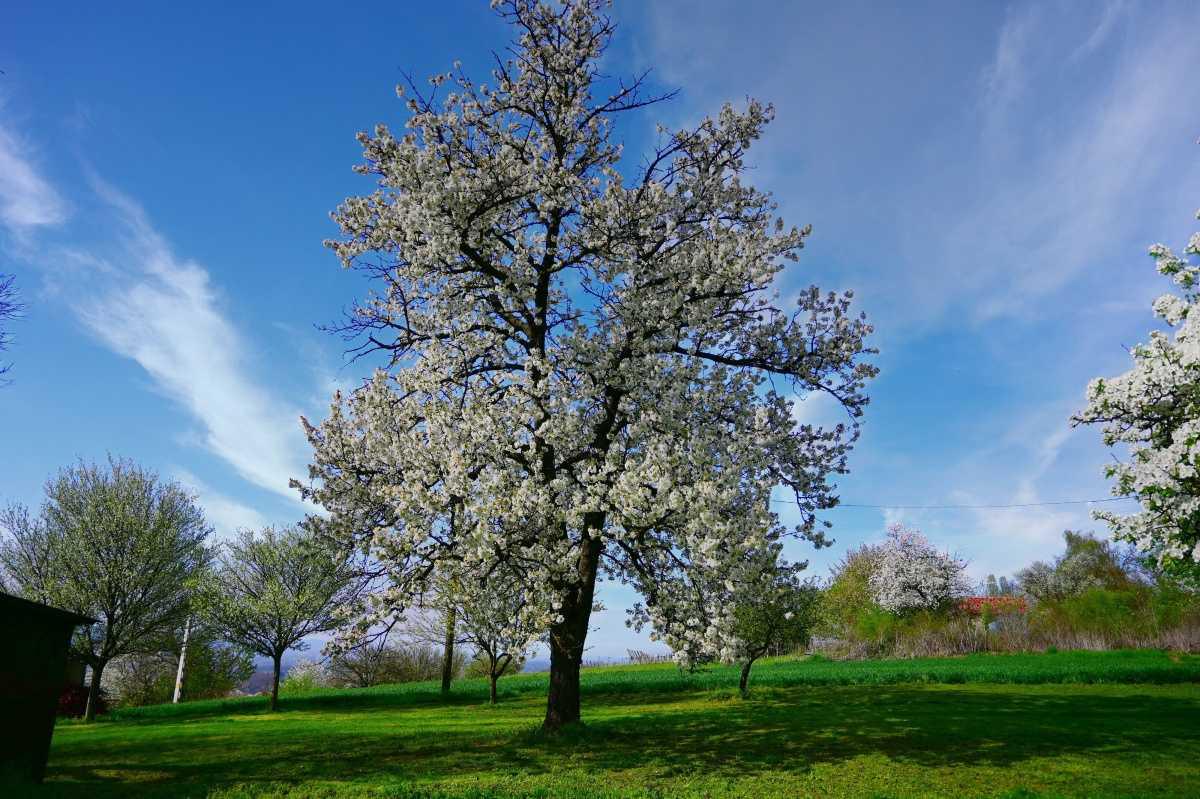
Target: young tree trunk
{"type": "Point", "coordinates": [275, 682]}
{"type": "Point", "coordinates": [567, 639]}
{"type": "Point", "coordinates": [187, 630]}
{"type": "Point", "coordinates": [744, 684]}
{"type": "Point", "coordinates": [94, 691]}
{"type": "Point", "coordinates": [448, 651]}
{"type": "Point", "coordinates": [493, 677]}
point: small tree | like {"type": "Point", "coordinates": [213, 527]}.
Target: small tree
{"type": "Point", "coordinates": [758, 598]}
{"type": "Point", "coordinates": [115, 543]}
{"type": "Point", "coordinates": [1154, 410]}
{"type": "Point", "coordinates": [495, 619]}
{"type": "Point", "coordinates": [912, 575]}
{"type": "Point", "coordinates": [774, 612]}
{"type": "Point", "coordinates": [273, 589]}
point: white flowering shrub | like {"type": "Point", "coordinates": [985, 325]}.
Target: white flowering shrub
{"type": "Point", "coordinates": [584, 353]}
{"type": "Point", "coordinates": [1154, 411]}
{"type": "Point", "coordinates": [910, 574]}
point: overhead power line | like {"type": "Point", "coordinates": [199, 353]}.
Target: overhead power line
{"type": "Point", "coordinates": [972, 507]}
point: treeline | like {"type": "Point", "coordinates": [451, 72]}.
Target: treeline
{"type": "Point", "coordinates": [904, 598]}
{"type": "Point", "coordinates": [181, 617]}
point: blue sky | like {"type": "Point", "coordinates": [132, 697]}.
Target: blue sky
{"type": "Point", "coordinates": [987, 178]}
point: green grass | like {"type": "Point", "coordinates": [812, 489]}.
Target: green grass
{"type": "Point", "coordinates": [1070, 724]}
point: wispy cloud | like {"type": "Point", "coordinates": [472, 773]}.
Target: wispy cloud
{"type": "Point", "coordinates": [226, 515]}
{"type": "Point", "coordinates": [27, 200]}
{"type": "Point", "coordinates": [163, 312]}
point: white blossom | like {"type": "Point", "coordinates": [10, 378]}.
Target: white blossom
{"type": "Point", "coordinates": [1153, 410]}
{"type": "Point", "coordinates": [911, 574]}
{"type": "Point", "coordinates": [585, 353]}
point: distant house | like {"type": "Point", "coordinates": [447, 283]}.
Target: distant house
{"type": "Point", "coordinates": [32, 675]}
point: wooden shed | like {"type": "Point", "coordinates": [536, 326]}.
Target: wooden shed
{"type": "Point", "coordinates": [33, 672]}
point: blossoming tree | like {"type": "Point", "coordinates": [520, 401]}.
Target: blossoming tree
{"type": "Point", "coordinates": [585, 354]}
{"type": "Point", "coordinates": [1154, 409]}
{"type": "Point", "coordinates": [911, 574]}
{"type": "Point", "coordinates": [749, 606]}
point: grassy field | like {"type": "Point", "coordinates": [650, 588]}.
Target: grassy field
{"type": "Point", "coordinates": [1070, 724]}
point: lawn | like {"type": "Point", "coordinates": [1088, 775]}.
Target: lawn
{"type": "Point", "coordinates": [1071, 724]}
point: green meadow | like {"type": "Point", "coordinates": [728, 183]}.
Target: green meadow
{"type": "Point", "coordinates": [1083, 724]}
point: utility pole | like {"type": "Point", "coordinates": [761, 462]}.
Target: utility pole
{"type": "Point", "coordinates": [187, 630]}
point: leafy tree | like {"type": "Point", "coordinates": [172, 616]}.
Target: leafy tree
{"type": "Point", "coordinates": [212, 670]}
{"type": "Point", "coordinates": [1154, 409]}
{"type": "Point", "coordinates": [912, 575]}
{"type": "Point", "coordinates": [271, 590]}
{"type": "Point", "coordinates": [768, 609]}
{"type": "Point", "coordinates": [1086, 563]}
{"type": "Point", "coordinates": [583, 353]}
{"type": "Point", "coordinates": [848, 595]}
{"type": "Point", "coordinates": [492, 621]}
{"type": "Point", "coordinates": [115, 543]}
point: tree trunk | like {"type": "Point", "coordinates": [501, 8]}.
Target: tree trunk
{"type": "Point", "coordinates": [493, 677]}
{"type": "Point", "coordinates": [275, 682]}
{"type": "Point", "coordinates": [744, 684]}
{"type": "Point", "coordinates": [94, 691]}
{"type": "Point", "coordinates": [187, 630]}
{"type": "Point", "coordinates": [448, 651]}
{"type": "Point", "coordinates": [568, 636]}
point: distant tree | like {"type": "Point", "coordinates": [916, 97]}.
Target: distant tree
{"type": "Point", "coordinates": [1153, 410]}
{"type": "Point", "coordinates": [774, 613]}
{"type": "Point", "coordinates": [1088, 562]}
{"type": "Point", "coordinates": [115, 543]}
{"type": "Point", "coordinates": [212, 670]}
{"type": "Point", "coordinates": [911, 574]}
{"type": "Point", "coordinates": [492, 620]}
{"type": "Point", "coordinates": [765, 604]}
{"type": "Point", "coordinates": [271, 590]}
{"type": "Point", "coordinates": [10, 309]}
{"type": "Point", "coordinates": [848, 595]}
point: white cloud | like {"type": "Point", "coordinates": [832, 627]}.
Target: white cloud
{"type": "Point", "coordinates": [227, 516]}
{"type": "Point", "coordinates": [163, 312]}
{"type": "Point", "coordinates": [27, 200]}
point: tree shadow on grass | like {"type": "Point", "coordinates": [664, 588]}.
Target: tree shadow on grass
{"type": "Point", "coordinates": [779, 731]}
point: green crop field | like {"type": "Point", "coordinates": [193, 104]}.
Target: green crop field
{"type": "Point", "coordinates": [1069, 724]}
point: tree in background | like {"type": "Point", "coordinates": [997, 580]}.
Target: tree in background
{"type": "Point", "coordinates": [911, 574]}
{"type": "Point", "coordinates": [1086, 563]}
{"type": "Point", "coordinates": [768, 607]}
{"type": "Point", "coordinates": [493, 620]}
{"type": "Point", "coordinates": [582, 350]}
{"type": "Point", "coordinates": [848, 595]}
{"type": "Point", "coordinates": [212, 669]}
{"type": "Point", "coordinates": [271, 590]}
{"type": "Point", "coordinates": [1154, 409]}
{"type": "Point", "coordinates": [115, 543]}
{"type": "Point", "coordinates": [9, 310]}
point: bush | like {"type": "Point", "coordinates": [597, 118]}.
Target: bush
{"type": "Point", "coordinates": [304, 677]}
{"type": "Point", "coordinates": [72, 702]}
{"type": "Point", "coordinates": [382, 665]}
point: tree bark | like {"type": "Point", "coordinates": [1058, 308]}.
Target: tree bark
{"type": "Point", "coordinates": [493, 677]}
{"type": "Point", "coordinates": [278, 657]}
{"type": "Point", "coordinates": [744, 684]}
{"type": "Point", "coordinates": [568, 636]}
{"type": "Point", "coordinates": [179, 673]}
{"type": "Point", "coordinates": [94, 691]}
{"type": "Point", "coordinates": [448, 651]}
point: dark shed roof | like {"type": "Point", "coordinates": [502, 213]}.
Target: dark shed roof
{"type": "Point", "coordinates": [16, 603]}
